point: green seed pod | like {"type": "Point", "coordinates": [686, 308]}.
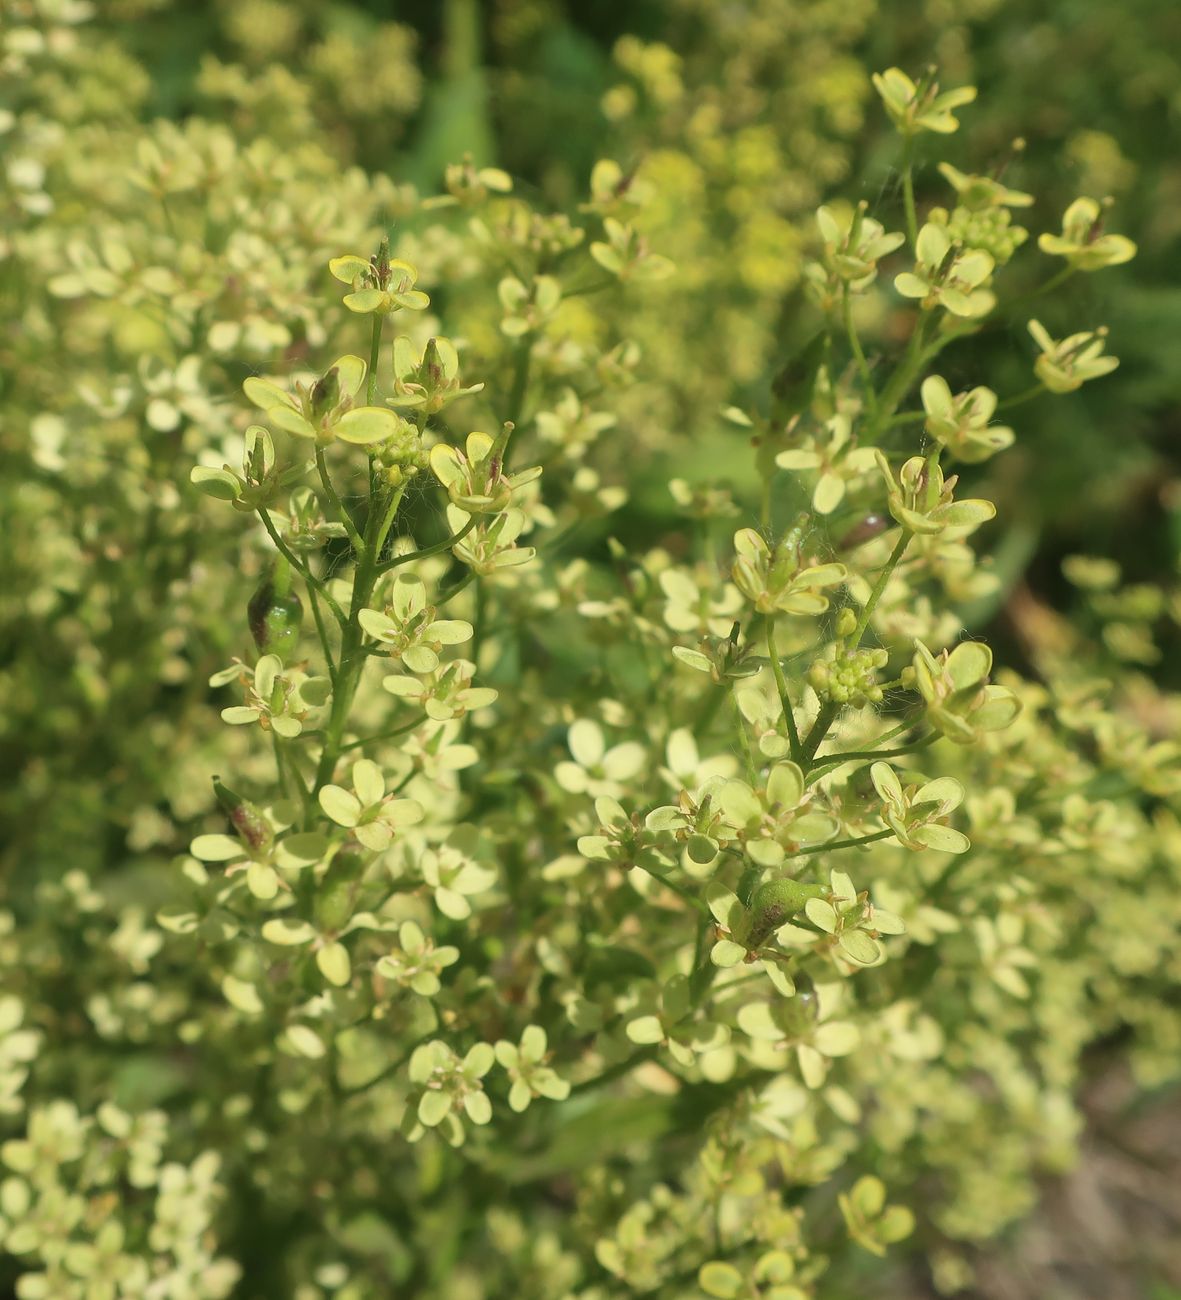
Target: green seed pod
{"type": "Point", "coordinates": [336, 896]}
{"type": "Point", "coordinates": [246, 818]}
{"type": "Point", "coordinates": [275, 612]}
{"type": "Point", "coordinates": [775, 903]}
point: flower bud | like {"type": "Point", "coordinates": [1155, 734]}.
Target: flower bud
{"type": "Point", "coordinates": [246, 818]}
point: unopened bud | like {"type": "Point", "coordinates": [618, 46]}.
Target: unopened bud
{"type": "Point", "coordinates": [246, 818]}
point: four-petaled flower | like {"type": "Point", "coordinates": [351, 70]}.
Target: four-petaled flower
{"type": "Point", "coordinates": [453, 873]}
{"type": "Point", "coordinates": [979, 192]}
{"type": "Point", "coordinates": [667, 1017]}
{"type": "Point", "coordinates": [449, 1085]}
{"type": "Point", "coordinates": [597, 770]}
{"type": "Point", "coordinates": [852, 920]}
{"type": "Point", "coordinates": [428, 382]}
{"type": "Point", "coordinates": [408, 630]}
{"type": "Point", "coordinates": [838, 461]}
{"type": "Point", "coordinates": [529, 1075]}
{"type": "Point", "coordinates": [380, 284]}
{"type": "Point", "coordinates": [1082, 241]}
{"type": "Point", "coordinates": [870, 1221]}
{"type": "Point", "coordinates": [920, 107]}
{"type": "Point", "coordinates": [775, 820]}
{"type": "Point", "coordinates": [417, 962]}
{"type": "Point", "coordinates": [444, 694]}
{"type": "Point", "coordinates": [324, 410]}
{"type": "Point", "coordinates": [475, 478]}
{"type": "Point", "coordinates": [915, 812]}
{"type": "Point", "coordinates": [366, 810]}
{"type": "Point", "coordinates": [803, 1023]}
{"type": "Point", "coordinates": [625, 253]}
{"type": "Point", "coordinates": [961, 704]}
{"type": "Point", "coordinates": [961, 422]}
{"type": "Point", "coordinates": [776, 580]}
{"type": "Point", "coordinates": [948, 276]}
{"type": "Point", "coordinates": [923, 502]}
{"type": "Point", "coordinates": [528, 309]}
{"type": "Point", "coordinates": [853, 245]}
{"type": "Point", "coordinates": [278, 701]}
{"type": "Point", "coordinates": [1067, 364]}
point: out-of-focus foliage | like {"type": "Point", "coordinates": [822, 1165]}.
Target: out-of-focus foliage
{"type": "Point", "coordinates": [686, 901]}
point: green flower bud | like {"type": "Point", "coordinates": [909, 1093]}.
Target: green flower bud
{"type": "Point", "coordinates": [275, 612]}
{"type": "Point", "coordinates": [246, 818]}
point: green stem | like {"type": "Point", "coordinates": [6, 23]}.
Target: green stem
{"type": "Point", "coordinates": [296, 563]}
{"type": "Point", "coordinates": [338, 505]}
{"type": "Point", "coordinates": [793, 734]}
{"type": "Point", "coordinates": [694, 902]}
{"type": "Point", "coordinates": [1027, 396]}
{"type": "Point", "coordinates": [352, 644]}
{"type": "Point", "coordinates": [895, 731]}
{"type": "Point", "coordinates": [387, 519]}
{"type": "Point", "coordinates": [597, 287]}
{"type": "Point", "coordinates": [428, 551]}
{"type": "Point", "coordinates": [374, 359]}
{"type": "Point", "coordinates": [859, 355]}
{"type": "Point", "coordinates": [384, 735]}
{"type": "Point", "coordinates": [907, 417]}
{"type": "Point", "coordinates": [878, 588]}
{"type": "Point", "coordinates": [899, 384]}
{"type": "Point", "coordinates": [819, 729]}
{"type": "Point", "coordinates": [454, 589]}
{"type": "Point", "coordinates": [700, 981]}
{"type": "Point", "coordinates": [322, 631]}
{"type": "Point", "coordinates": [833, 845]}
{"type": "Point", "coordinates": [850, 755]}
{"type": "Point", "coordinates": [828, 713]}
{"type": "Point", "coordinates": [912, 222]}
{"type": "Point", "coordinates": [1059, 277]}
{"type": "Point", "coordinates": [280, 770]}
{"type": "Point", "coordinates": [617, 1071]}
{"type": "Point", "coordinates": [516, 400]}
{"type": "Point", "coordinates": [740, 723]}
